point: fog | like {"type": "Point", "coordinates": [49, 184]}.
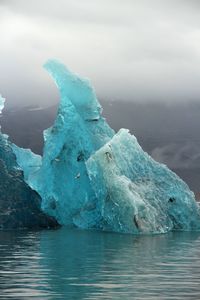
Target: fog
{"type": "Point", "coordinates": [143, 58]}
{"type": "Point", "coordinates": [132, 50]}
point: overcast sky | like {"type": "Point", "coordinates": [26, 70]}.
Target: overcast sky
{"type": "Point", "coordinates": [132, 50]}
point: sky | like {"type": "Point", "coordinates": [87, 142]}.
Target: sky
{"type": "Point", "coordinates": [132, 50]}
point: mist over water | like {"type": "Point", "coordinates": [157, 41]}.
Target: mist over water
{"type": "Point", "coordinates": [141, 55]}
{"type": "Point", "coordinates": [169, 133]}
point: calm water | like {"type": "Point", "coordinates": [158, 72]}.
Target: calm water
{"type": "Point", "coordinates": [72, 264]}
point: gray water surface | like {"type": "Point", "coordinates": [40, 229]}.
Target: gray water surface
{"type": "Point", "coordinates": [74, 264]}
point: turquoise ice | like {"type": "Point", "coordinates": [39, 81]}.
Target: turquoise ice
{"type": "Point", "coordinates": [137, 194]}
{"type": "Point", "coordinates": [79, 130]}
{"type": "Point", "coordinates": [20, 206]}
{"type": "Point", "coordinates": [90, 177]}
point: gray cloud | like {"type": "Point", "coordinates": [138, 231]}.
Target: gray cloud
{"type": "Point", "coordinates": [132, 50]}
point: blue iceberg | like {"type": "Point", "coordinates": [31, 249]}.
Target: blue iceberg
{"type": "Point", "coordinates": [138, 194]}
{"type": "Point", "coordinates": [79, 130]}
{"type": "Point", "coordinates": [20, 206]}
{"type": "Point", "coordinates": [91, 177]}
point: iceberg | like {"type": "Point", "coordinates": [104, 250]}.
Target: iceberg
{"type": "Point", "coordinates": [20, 206]}
{"type": "Point", "coordinates": [79, 130]}
{"type": "Point", "coordinates": [138, 194]}
{"type": "Point", "coordinates": [93, 178]}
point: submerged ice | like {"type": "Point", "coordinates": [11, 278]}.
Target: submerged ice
{"type": "Point", "coordinates": [90, 177]}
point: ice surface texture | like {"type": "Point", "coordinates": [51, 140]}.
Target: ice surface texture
{"type": "Point", "coordinates": [19, 204]}
{"type": "Point", "coordinates": [78, 131]}
{"type": "Point", "coordinates": [90, 177]}
{"type": "Point", "coordinates": [137, 194]}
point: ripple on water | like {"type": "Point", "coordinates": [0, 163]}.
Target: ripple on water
{"type": "Point", "coordinates": [74, 264]}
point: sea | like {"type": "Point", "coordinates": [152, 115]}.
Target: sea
{"type": "Point", "coordinates": [77, 264]}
